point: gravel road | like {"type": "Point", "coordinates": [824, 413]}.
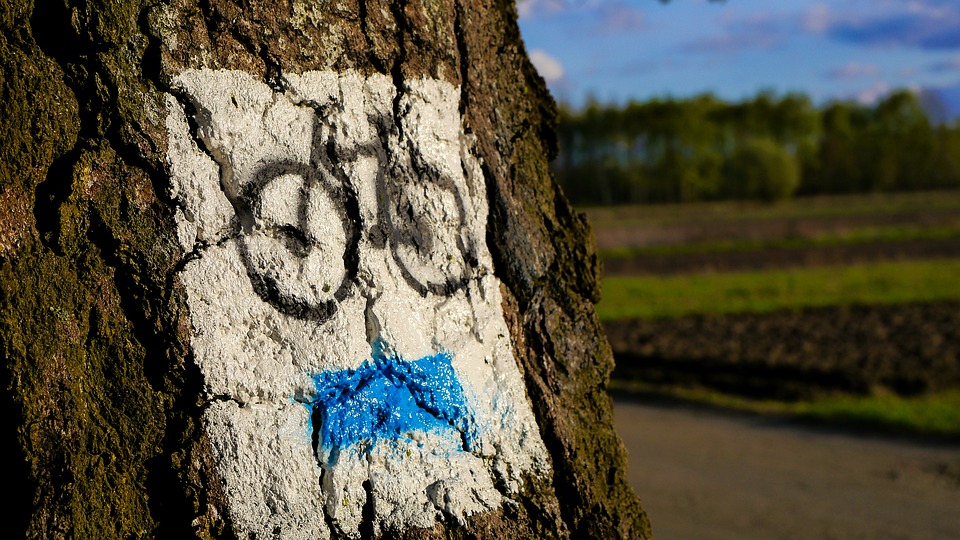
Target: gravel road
{"type": "Point", "coordinates": [703, 474]}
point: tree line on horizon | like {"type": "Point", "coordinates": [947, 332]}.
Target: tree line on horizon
{"type": "Point", "coordinates": [767, 148]}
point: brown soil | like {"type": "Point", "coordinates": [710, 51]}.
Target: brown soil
{"type": "Point", "coordinates": [712, 229]}
{"type": "Point", "coordinates": [905, 348]}
{"type": "Point", "coordinates": [732, 261]}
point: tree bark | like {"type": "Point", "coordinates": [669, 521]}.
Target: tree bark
{"type": "Point", "coordinates": [107, 409]}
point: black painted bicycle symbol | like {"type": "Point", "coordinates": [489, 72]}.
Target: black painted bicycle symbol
{"type": "Point", "coordinates": [421, 216]}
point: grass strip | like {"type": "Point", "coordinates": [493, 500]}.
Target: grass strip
{"type": "Point", "coordinates": [647, 296]}
{"type": "Point", "coordinates": [935, 414]}
{"type": "Point", "coordinates": [861, 236]}
{"type": "Point", "coordinates": [930, 414]}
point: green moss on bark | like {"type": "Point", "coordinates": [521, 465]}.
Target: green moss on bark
{"type": "Point", "coordinates": [87, 326]}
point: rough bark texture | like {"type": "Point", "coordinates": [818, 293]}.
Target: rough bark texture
{"type": "Point", "coordinates": [100, 416]}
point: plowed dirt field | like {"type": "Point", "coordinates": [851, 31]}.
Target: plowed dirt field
{"type": "Point", "coordinates": [906, 348]}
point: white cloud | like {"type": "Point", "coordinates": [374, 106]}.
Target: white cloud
{"type": "Point", "coordinates": [619, 17]}
{"type": "Point", "coordinates": [946, 66]}
{"type": "Point", "coordinates": [549, 67]}
{"type": "Point", "coordinates": [853, 70]}
{"type": "Point", "coordinates": [817, 18]}
{"type": "Point", "coordinates": [531, 9]}
{"type": "Point", "coordinates": [873, 93]}
{"type": "Point", "coordinates": [757, 31]}
{"type": "Point", "coordinates": [930, 9]}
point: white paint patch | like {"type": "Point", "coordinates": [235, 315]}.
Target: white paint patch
{"type": "Point", "coordinates": [317, 226]}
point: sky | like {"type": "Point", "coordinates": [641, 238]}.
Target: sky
{"type": "Point", "coordinates": [618, 50]}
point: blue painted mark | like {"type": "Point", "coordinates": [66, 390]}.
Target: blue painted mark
{"type": "Point", "coordinates": [389, 397]}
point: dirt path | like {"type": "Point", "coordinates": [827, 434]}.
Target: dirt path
{"type": "Point", "coordinates": [703, 474]}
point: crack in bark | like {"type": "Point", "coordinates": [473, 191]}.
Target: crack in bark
{"type": "Point", "coordinates": [368, 512]}
{"type": "Point", "coordinates": [463, 53]}
{"type": "Point", "coordinates": [378, 63]}
{"type": "Point", "coordinates": [243, 220]}
{"type": "Point", "coordinates": [398, 9]}
{"type": "Point", "coordinates": [216, 24]}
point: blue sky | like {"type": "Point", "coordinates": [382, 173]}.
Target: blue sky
{"type": "Point", "coordinates": [615, 50]}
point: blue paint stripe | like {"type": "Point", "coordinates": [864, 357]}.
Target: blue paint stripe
{"type": "Point", "coordinates": [389, 397]}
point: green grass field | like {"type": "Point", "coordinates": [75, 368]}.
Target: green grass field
{"type": "Point", "coordinates": [647, 296]}
{"type": "Point", "coordinates": [931, 414]}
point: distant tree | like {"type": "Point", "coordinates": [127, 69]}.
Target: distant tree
{"type": "Point", "coordinates": [946, 160]}
{"type": "Point", "coordinates": [669, 150]}
{"type": "Point", "coordinates": [838, 170]}
{"type": "Point", "coordinates": [904, 139]}
{"type": "Point", "coordinates": [761, 169]}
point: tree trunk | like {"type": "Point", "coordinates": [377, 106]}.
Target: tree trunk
{"type": "Point", "coordinates": [295, 270]}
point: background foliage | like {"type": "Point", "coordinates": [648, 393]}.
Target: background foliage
{"type": "Point", "coordinates": [767, 148]}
